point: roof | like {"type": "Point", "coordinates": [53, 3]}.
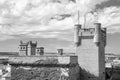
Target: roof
{"type": "Point", "coordinates": [9, 53]}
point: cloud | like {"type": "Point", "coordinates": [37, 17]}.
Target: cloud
{"type": "Point", "coordinates": [110, 17]}
{"type": "Point", "coordinates": [35, 18]}
{"type": "Point", "coordinates": [85, 6]}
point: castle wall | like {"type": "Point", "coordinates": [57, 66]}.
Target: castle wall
{"type": "Point", "coordinates": [23, 52]}
{"type": "Point", "coordinates": [44, 68]}
{"type": "Point", "coordinates": [102, 61]}
{"type": "Point", "coordinates": [39, 73]}
{"type": "Point", "coordinates": [91, 59]}
{"type": "Point", "coordinates": [91, 52]}
{"type": "Point", "coordinates": [29, 51]}
{"type": "Point", "coordinates": [88, 57]}
{"type": "Point", "coordinates": [33, 50]}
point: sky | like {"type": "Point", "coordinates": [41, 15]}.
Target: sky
{"type": "Point", "coordinates": [51, 22]}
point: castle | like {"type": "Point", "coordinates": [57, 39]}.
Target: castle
{"type": "Point", "coordinates": [29, 49]}
{"type": "Point", "coordinates": [90, 52]}
{"type": "Point", "coordinates": [88, 62]}
{"type": "Point", "coordinates": [90, 49]}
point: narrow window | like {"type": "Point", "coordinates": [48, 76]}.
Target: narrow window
{"type": "Point", "coordinates": [38, 50]}
{"type": "Point", "coordinates": [21, 48]}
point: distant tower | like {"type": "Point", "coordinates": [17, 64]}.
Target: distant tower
{"type": "Point", "coordinates": [40, 50]}
{"type": "Point", "coordinates": [60, 51]}
{"type": "Point", "coordinates": [23, 48]}
{"type": "Point", "coordinates": [31, 48]}
{"type": "Point", "coordinates": [90, 48]}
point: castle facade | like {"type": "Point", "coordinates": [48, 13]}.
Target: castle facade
{"type": "Point", "coordinates": [30, 48]}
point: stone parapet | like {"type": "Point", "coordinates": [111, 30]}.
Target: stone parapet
{"type": "Point", "coordinates": [44, 68]}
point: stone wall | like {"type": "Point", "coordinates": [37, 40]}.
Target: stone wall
{"type": "Point", "coordinates": [44, 68]}
{"type": "Point", "coordinates": [90, 48]}
{"type": "Point", "coordinates": [39, 73]}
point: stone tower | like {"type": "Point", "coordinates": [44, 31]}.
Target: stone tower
{"type": "Point", "coordinates": [90, 48]}
{"type": "Point", "coordinates": [40, 51]}
{"type": "Point", "coordinates": [60, 51]}
{"type": "Point", "coordinates": [27, 49]}
{"type": "Point", "coordinates": [32, 48]}
{"type": "Point", "coordinates": [23, 51]}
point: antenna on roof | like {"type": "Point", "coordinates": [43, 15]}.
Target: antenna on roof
{"type": "Point", "coordinates": [78, 17]}
{"type": "Point", "coordinates": [78, 12]}
{"type": "Point", "coordinates": [96, 17]}
{"type": "Point", "coordinates": [84, 20]}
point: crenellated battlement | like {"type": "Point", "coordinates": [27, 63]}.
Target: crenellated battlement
{"type": "Point", "coordinates": [97, 33]}
{"type": "Point", "coordinates": [90, 48]}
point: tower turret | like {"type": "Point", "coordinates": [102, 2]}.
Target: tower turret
{"type": "Point", "coordinates": [32, 48]}
{"type": "Point", "coordinates": [40, 50]}
{"type": "Point", "coordinates": [91, 52]}
{"type": "Point", "coordinates": [23, 49]}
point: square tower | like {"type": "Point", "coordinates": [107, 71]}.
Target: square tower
{"type": "Point", "coordinates": [32, 48]}
{"type": "Point", "coordinates": [23, 49]}
{"type": "Point", "coordinates": [60, 51]}
{"type": "Point", "coordinates": [90, 48]}
{"type": "Point", "coordinates": [40, 51]}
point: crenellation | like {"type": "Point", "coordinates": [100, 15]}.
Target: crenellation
{"type": "Point", "coordinates": [91, 52]}
{"type": "Point", "coordinates": [87, 64]}
{"type": "Point", "coordinates": [29, 48]}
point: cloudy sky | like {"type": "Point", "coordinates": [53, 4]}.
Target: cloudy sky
{"type": "Point", "coordinates": [51, 22]}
